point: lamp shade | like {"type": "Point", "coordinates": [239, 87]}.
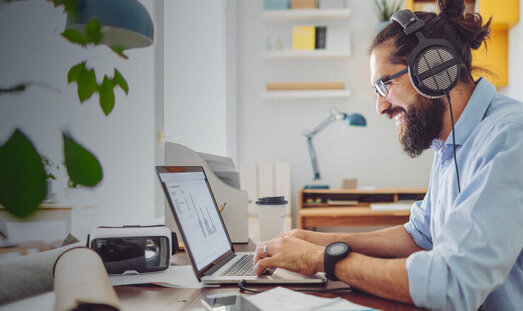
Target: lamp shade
{"type": "Point", "coordinates": [355, 119]}
{"type": "Point", "coordinates": [125, 23]}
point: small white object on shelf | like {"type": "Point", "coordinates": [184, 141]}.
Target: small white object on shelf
{"type": "Point", "coordinates": [286, 54]}
{"type": "Point", "coordinates": [304, 14]}
{"type": "Point", "coordinates": [306, 94]}
{"type": "Point", "coordinates": [400, 206]}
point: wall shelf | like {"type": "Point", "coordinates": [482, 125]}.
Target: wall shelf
{"type": "Point", "coordinates": [289, 15]}
{"type": "Point", "coordinates": [305, 94]}
{"type": "Point", "coordinates": [326, 214]}
{"type": "Point", "coordinates": [290, 54]}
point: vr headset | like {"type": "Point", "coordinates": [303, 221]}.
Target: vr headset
{"type": "Point", "coordinates": [134, 249]}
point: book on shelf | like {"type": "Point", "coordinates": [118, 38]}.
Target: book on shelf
{"type": "Point", "coordinates": [292, 86]}
{"type": "Point", "coordinates": [303, 37]}
{"type": "Point", "coordinates": [321, 37]}
{"type": "Point", "coordinates": [342, 202]}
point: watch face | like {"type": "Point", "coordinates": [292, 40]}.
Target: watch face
{"type": "Point", "coordinates": [337, 249]}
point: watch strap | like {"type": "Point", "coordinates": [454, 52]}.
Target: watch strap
{"type": "Point", "coordinates": [330, 261]}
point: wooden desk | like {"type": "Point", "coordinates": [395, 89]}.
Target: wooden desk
{"type": "Point", "coordinates": [326, 208]}
{"type": "Point", "coordinates": [159, 298]}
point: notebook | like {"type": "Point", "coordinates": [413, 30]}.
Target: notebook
{"type": "Point", "coordinates": [205, 236]}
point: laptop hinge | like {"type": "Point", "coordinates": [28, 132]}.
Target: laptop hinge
{"type": "Point", "coordinates": [217, 266]}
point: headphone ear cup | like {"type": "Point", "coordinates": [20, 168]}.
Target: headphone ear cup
{"type": "Point", "coordinates": [434, 71]}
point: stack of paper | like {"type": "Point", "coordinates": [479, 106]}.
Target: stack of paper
{"type": "Point", "coordinates": [281, 298]}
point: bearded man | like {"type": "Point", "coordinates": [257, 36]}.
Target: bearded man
{"type": "Point", "coordinates": [462, 247]}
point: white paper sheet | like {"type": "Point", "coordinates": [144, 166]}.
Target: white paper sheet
{"type": "Point", "coordinates": [174, 276]}
{"type": "Point", "coordinates": [281, 298]}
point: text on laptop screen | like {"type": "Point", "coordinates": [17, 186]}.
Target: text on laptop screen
{"type": "Point", "coordinates": [198, 216]}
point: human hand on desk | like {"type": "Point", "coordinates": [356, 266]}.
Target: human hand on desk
{"type": "Point", "coordinates": [318, 238]}
{"type": "Point", "coordinates": [289, 253]}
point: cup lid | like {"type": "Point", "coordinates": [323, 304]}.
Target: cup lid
{"type": "Point", "coordinates": [271, 201]}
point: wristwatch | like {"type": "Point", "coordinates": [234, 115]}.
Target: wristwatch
{"type": "Point", "coordinates": [334, 252]}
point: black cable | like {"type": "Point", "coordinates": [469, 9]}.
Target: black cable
{"type": "Point", "coordinates": [453, 141]}
{"type": "Point", "coordinates": [242, 287]}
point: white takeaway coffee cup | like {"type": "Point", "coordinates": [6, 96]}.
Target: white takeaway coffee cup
{"type": "Point", "coordinates": [271, 216]}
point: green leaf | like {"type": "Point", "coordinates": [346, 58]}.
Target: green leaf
{"type": "Point", "coordinates": [107, 95]}
{"type": "Point", "coordinates": [70, 8]}
{"type": "Point", "coordinates": [93, 32]}
{"type": "Point", "coordinates": [82, 166]}
{"type": "Point", "coordinates": [118, 50]}
{"type": "Point", "coordinates": [119, 80]}
{"type": "Point", "coordinates": [22, 176]}
{"type": "Point", "coordinates": [86, 85]}
{"type": "Point", "coordinates": [75, 36]}
{"type": "Point", "coordinates": [75, 71]}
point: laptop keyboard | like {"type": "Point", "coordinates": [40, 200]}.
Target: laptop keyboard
{"type": "Point", "coordinates": [242, 267]}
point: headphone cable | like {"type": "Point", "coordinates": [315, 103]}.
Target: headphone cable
{"type": "Point", "coordinates": [453, 141]}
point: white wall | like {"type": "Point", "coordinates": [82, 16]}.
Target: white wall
{"type": "Point", "coordinates": [32, 49]}
{"type": "Point", "coordinates": [271, 130]}
{"type": "Point", "coordinates": [200, 76]}
{"type": "Point", "coordinates": [159, 69]}
{"type": "Point", "coordinates": [515, 62]}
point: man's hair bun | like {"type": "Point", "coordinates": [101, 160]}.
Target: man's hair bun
{"type": "Point", "coordinates": [451, 8]}
{"type": "Point", "coordinates": [469, 26]}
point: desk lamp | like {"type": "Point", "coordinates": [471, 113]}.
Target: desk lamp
{"type": "Point", "coordinates": [354, 119]}
{"type": "Point", "coordinates": [125, 23]}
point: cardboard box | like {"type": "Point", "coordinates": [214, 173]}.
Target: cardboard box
{"type": "Point", "coordinates": [304, 4]}
{"type": "Point", "coordinates": [349, 183]}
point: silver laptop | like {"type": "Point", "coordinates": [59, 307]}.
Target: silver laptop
{"type": "Point", "coordinates": [203, 231]}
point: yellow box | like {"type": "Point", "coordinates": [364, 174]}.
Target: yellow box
{"type": "Point", "coordinates": [303, 37]}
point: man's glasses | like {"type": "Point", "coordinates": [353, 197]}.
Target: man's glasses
{"type": "Point", "coordinates": [380, 86]}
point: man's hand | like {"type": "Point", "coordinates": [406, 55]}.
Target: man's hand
{"type": "Point", "coordinates": [318, 238]}
{"type": "Point", "coordinates": [297, 234]}
{"type": "Point", "coordinates": [290, 253]}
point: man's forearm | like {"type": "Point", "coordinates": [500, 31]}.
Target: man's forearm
{"type": "Point", "coordinates": [386, 278]}
{"type": "Point", "coordinates": [390, 242]}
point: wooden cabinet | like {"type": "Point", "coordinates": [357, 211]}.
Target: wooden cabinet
{"type": "Point", "coordinates": [344, 207]}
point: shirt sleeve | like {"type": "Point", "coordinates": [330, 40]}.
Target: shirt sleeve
{"type": "Point", "coordinates": [480, 241]}
{"type": "Point", "coordinates": [419, 224]}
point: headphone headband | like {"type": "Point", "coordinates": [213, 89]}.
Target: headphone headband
{"type": "Point", "coordinates": [408, 21]}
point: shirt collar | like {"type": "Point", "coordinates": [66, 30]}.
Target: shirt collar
{"type": "Point", "coordinates": [473, 112]}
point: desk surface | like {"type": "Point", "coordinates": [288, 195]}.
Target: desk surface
{"type": "Point", "coordinates": [159, 298]}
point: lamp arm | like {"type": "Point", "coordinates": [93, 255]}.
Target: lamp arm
{"type": "Point", "coordinates": [314, 159]}
{"type": "Point", "coordinates": [312, 152]}
{"type": "Point", "coordinates": [323, 125]}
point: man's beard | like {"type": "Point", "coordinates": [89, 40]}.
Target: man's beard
{"type": "Point", "coordinates": [422, 123]}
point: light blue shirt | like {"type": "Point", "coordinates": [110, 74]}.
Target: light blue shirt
{"type": "Point", "coordinates": [473, 240]}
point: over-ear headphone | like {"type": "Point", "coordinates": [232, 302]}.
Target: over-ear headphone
{"type": "Point", "coordinates": [433, 63]}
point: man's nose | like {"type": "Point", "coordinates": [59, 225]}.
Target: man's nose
{"type": "Point", "coordinates": [382, 104]}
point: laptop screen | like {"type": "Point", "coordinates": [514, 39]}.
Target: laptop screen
{"type": "Point", "coordinates": [197, 215]}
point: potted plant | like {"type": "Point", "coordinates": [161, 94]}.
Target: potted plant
{"type": "Point", "coordinates": [385, 9]}
{"type": "Point", "coordinates": [25, 174]}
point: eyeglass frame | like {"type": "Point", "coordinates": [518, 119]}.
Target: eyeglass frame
{"type": "Point", "coordinates": [385, 84]}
